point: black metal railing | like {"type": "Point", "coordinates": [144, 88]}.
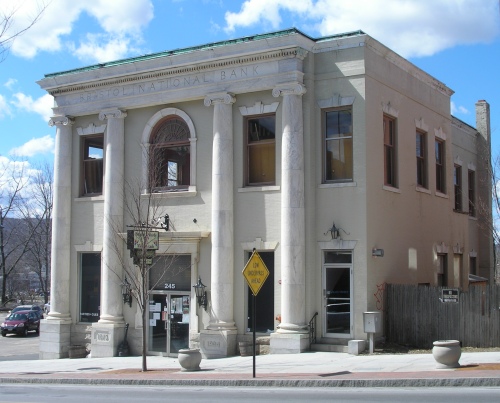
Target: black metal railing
{"type": "Point", "coordinates": [312, 329]}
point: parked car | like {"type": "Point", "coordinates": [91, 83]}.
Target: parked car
{"type": "Point", "coordinates": [35, 308]}
{"type": "Point", "coordinates": [21, 322]}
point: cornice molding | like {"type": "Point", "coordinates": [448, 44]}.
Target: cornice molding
{"type": "Point", "coordinates": [192, 68]}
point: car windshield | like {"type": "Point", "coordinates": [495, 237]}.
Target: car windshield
{"type": "Point", "coordinates": [18, 316]}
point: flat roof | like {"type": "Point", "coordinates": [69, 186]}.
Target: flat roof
{"type": "Point", "coordinates": [290, 31]}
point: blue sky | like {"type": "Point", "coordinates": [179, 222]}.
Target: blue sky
{"type": "Point", "coordinates": [456, 41]}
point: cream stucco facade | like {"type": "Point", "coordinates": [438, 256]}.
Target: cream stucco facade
{"type": "Point", "coordinates": [220, 212]}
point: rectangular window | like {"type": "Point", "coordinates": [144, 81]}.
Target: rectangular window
{"type": "Point", "coordinates": [90, 287]}
{"type": "Point", "coordinates": [421, 159]}
{"type": "Point", "coordinates": [389, 151]}
{"type": "Point", "coordinates": [261, 151]}
{"type": "Point", "coordinates": [457, 182]}
{"type": "Point", "coordinates": [442, 278]}
{"type": "Point", "coordinates": [92, 165]}
{"type": "Point", "coordinates": [338, 157]}
{"type": "Point", "coordinates": [472, 265]}
{"type": "Point", "coordinates": [472, 193]}
{"type": "Point", "coordinates": [440, 165]}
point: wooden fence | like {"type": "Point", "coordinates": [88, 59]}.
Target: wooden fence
{"type": "Point", "coordinates": [415, 316]}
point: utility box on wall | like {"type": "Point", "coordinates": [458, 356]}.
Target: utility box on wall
{"type": "Point", "coordinates": [372, 322]}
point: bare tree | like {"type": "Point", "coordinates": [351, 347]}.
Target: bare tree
{"type": "Point", "coordinates": [14, 235]}
{"type": "Point", "coordinates": [36, 212]}
{"type": "Point", "coordinates": [7, 32]}
{"type": "Point", "coordinates": [143, 271]}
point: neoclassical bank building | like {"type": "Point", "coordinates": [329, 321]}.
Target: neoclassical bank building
{"type": "Point", "coordinates": [334, 158]}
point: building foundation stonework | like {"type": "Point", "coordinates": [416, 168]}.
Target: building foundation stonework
{"type": "Point", "coordinates": [233, 154]}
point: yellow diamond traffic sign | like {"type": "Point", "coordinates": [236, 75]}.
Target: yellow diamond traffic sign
{"type": "Point", "coordinates": [255, 272]}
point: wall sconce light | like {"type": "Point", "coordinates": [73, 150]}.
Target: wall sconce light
{"type": "Point", "coordinates": [377, 252]}
{"type": "Point", "coordinates": [335, 231]}
{"type": "Point", "coordinates": [127, 292]}
{"type": "Point", "coordinates": [201, 294]}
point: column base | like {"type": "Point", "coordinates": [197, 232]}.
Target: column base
{"type": "Point", "coordinates": [55, 339]}
{"type": "Point", "coordinates": [288, 343]}
{"type": "Point", "coordinates": [105, 339]}
{"type": "Point", "coordinates": [218, 343]}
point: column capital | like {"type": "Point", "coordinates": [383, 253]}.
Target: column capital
{"type": "Point", "coordinates": [112, 113]}
{"type": "Point", "coordinates": [294, 88]}
{"type": "Point", "coordinates": [219, 98]}
{"type": "Point", "coordinates": [61, 121]}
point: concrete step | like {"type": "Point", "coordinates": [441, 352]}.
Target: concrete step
{"type": "Point", "coordinates": [332, 348]}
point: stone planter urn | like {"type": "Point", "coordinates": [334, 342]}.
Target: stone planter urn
{"type": "Point", "coordinates": [189, 359]}
{"type": "Point", "coordinates": [446, 353]}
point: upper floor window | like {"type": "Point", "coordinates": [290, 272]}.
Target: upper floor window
{"type": "Point", "coordinates": [92, 166]}
{"type": "Point", "coordinates": [472, 193]}
{"type": "Point", "coordinates": [261, 150]}
{"type": "Point", "coordinates": [390, 151]}
{"type": "Point", "coordinates": [421, 152]}
{"type": "Point", "coordinates": [169, 168]}
{"type": "Point", "coordinates": [457, 182]}
{"type": "Point", "coordinates": [442, 275]}
{"type": "Point", "coordinates": [338, 145]}
{"type": "Point", "coordinates": [440, 166]}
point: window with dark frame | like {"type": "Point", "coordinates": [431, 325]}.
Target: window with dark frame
{"type": "Point", "coordinates": [261, 150]}
{"type": "Point", "coordinates": [442, 277]}
{"type": "Point", "coordinates": [92, 165]}
{"type": "Point", "coordinates": [170, 156]}
{"type": "Point", "coordinates": [338, 146]}
{"type": "Point", "coordinates": [472, 192]}
{"type": "Point", "coordinates": [440, 178]}
{"type": "Point", "coordinates": [389, 151]}
{"type": "Point", "coordinates": [90, 287]}
{"type": "Point", "coordinates": [472, 265]}
{"type": "Point", "coordinates": [457, 182]}
{"type": "Point", "coordinates": [421, 152]}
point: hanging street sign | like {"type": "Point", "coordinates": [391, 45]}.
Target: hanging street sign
{"type": "Point", "coordinates": [255, 272]}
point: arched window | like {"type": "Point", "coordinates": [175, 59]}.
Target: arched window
{"type": "Point", "coordinates": [170, 155]}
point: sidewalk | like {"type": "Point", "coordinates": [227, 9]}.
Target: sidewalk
{"type": "Point", "coordinates": [312, 369]}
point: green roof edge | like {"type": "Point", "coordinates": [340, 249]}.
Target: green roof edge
{"type": "Point", "coordinates": [179, 51]}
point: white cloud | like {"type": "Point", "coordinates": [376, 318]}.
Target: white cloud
{"type": "Point", "coordinates": [33, 147]}
{"type": "Point", "coordinates": [456, 110]}
{"type": "Point", "coordinates": [10, 83]}
{"type": "Point", "coordinates": [121, 21]}
{"type": "Point", "coordinates": [412, 28]}
{"type": "Point", "coordinates": [42, 106]}
{"type": "Point", "coordinates": [98, 49]}
{"type": "Point", "coordinates": [4, 107]}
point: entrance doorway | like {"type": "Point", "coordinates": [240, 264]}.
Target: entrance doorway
{"type": "Point", "coordinates": [337, 294]}
{"type": "Point", "coordinates": [264, 303]}
{"type": "Point", "coordinates": [168, 323]}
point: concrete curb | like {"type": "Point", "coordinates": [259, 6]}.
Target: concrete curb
{"type": "Point", "coordinates": [287, 383]}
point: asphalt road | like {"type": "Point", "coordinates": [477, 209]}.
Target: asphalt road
{"type": "Point", "coordinates": [189, 394]}
{"type": "Point", "coordinates": [13, 347]}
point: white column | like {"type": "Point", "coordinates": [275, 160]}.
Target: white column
{"type": "Point", "coordinates": [61, 222]}
{"type": "Point", "coordinates": [112, 250]}
{"type": "Point", "coordinates": [293, 317]}
{"type": "Point", "coordinates": [222, 265]}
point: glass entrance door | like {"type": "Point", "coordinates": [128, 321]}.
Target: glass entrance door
{"type": "Point", "coordinates": [168, 323]}
{"type": "Point", "coordinates": [337, 292]}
